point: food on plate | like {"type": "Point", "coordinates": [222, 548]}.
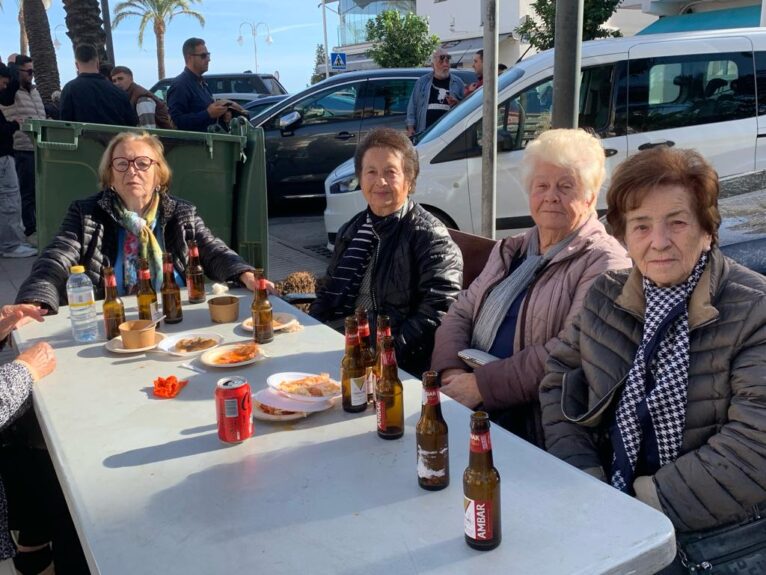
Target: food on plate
{"type": "Point", "coordinates": [238, 354]}
{"type": "Point", "coordinates": [280, 324]}
{"type": "Point", "coordinates": [267, 409]}
{"type": "Point", "coordinates": [168, 386]}
{"type": "Point", "coordinates": [189, 344]}
{"type": "Point", "coordinates": [313, 385]}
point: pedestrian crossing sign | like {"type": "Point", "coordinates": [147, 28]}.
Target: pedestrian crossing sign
{"type": "Point", "coordinates": [338, 60]}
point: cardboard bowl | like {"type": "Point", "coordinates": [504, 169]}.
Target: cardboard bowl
{"type": "Point", "coordinates": [137, 333]}
{"type": "Point", "coordinates": [224, 308]}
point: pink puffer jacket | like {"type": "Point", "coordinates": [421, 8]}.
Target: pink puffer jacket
{"type": "Point", "coordinates": [551, 302]}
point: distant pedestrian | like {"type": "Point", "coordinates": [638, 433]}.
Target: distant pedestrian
{"type": "Point", "coordinates": [434, 94]}
{"type": "Point", "coordinates": [191, 102]}
{"type": "Point", "coordinates": [21, 101]}
{"type": "Point", "coordinates": [478, 67]}
{"type": "Point", "coordinates": [12, 241]}
{"type": "Point", "coordinates": [151, 111]}
{"type": "Point", "coordinates": [91, 98]}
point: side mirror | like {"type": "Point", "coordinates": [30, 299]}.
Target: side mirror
{"type": "Point", "coordinates": [289, 120]}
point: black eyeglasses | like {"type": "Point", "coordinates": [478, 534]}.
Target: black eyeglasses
{"type": "Point", "coordinates": [141, 163]}
{"type": "Point", "coordinates": [204, 55]}
{"type": "Point", "coordinates": [444, 57]}
{"type": "Point", "coordinates": [30, 71]}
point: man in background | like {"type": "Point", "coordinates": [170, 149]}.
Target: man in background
{"type": "Point", "coordinates": [434, 94]}
{"type": "Point", "coordinates": [92, 98]}
{"type": "Point", "coordinates": [478, 67]}
{"type": "Point", "coordinates": [151, 111]}
{"type": "Point", "coordinates": [21, 101]}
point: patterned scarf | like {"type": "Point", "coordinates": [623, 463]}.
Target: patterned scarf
{"type": "Point", "coordinates": [502, 296]}
{"type": "Point", "coordinates": [651, 413]}
{"type": "Point", "coordinates": [140, 242]}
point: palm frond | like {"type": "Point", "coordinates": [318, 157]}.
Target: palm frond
{"type": "Point", "coordinates": [147, 17]}
{"type": "Point", "coordinates": [193, 13]}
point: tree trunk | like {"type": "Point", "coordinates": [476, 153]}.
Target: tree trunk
{"type": "Point", "coordinates": [159, 33]}
{"type": "Point", "coordinates": [84, 25]}
{"type": "Point", "coordinates": [41, 48]}
{"type": "Point", "coordinates": [23, 41]}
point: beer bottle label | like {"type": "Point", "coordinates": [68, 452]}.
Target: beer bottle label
{"type": "Point", "coordinates": [154, 310]}
{"type": "Point", "coordinates": [431, 464]}
{"type": "Point", "coordinates": [388, 357]}
{"type": "Point", "coordinates": [194, 252]}
{"type": "Point", "coordinates": [364, 330]}
{"type": "Point", "coordinates": [478, 519]}
{"type": "Point", "coordinates": [430, 396]}
{"type": "Point", "coordinates": [144, 275]}
{"type": "Point", "coordinates": [380, 414]}
{"type": "Point", "coordinates": [262, 284]}
{"type": "Point", "coordinates": [358, 390]}
{"type": "Point", "coordinates": [110, 281]}
{"type": "Point", "coordinates": [167, 267]}
{"type": "Point", "coordinates": [371, 380]}
{"type": "Point", "coordinates": [480, 442]}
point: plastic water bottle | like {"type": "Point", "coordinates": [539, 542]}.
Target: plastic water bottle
{"type": "Point", "coordinates": [82, 305]}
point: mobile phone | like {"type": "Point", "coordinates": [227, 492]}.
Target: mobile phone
{"type": "Point", "coordinates": [474, 358]}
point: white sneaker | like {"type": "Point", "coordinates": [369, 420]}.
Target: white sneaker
{"type": "Point", "coordinates": [21, 251]}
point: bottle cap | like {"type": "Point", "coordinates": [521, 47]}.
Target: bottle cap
{"type": "Point", "coordinates": [77, 269]}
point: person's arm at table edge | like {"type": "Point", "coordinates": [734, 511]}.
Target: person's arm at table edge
{"type": "Point", "coordinates": [15, 386]}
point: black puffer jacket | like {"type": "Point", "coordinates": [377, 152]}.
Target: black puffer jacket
{"type": "Point", "coordinates": [417, 274]}
{"type": "Point", "coordinates": [89, 233]}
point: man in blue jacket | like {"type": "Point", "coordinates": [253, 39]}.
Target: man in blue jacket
{"type": "Point", "coordinates": [434, 94]}
{"type": "Point", "coordinates": [189, 98]}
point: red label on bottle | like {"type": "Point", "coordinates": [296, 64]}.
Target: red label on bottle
{"type": "Point", "coordinates": [167, 267]}
{"type": "Point", "coordinates": [110, 281]}
{"type": "Point", "coordinates": [430, 396]}
{"type": "Point", "coordinates": [388, 357]}
{"type": "Point", "coordinates": [478, 519]}
{"type": "Point", "coordinates": [380, 414]}
{"type": "Point", "coordinates": [480, 442]}
{"type": "Point", "coordinates": [384, 332]}
{"type": "Point", "coordinates": [364, 330]}
{"type": "Point", "coordinates": [144, 275]}
{"type": "Point", "coordinates": [194, 252]}
{"type": "Point", "coordinates": [261, 283]}
{"type": "Point", "coordinates": [352, 339]}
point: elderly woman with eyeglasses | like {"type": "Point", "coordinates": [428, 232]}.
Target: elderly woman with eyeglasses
{"type": "Point", "coordinates": [132, 217]}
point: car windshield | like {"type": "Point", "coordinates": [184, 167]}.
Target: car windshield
{"type": "Point", "coordinates": [464, 108]}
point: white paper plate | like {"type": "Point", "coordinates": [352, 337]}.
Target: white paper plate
{"type": "Point", "coordinates": [274, 399]}
{"type": "Point", "coordinates": [275, 379]}
{"type": "Point", "coordinates": [169, 343]}
{"type": "Point", "coordinates": [282, 320]}
{"type": "Point", "coordinates": [115, 345]}
{"type": "Point", "coordinates": [209, 357]}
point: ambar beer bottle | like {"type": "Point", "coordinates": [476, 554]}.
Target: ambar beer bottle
{"type": "Point", "coordinates": [263, 316]}
{"type": "Point", "coordinates": [146, 296]}
{"type": "Point", "coordinates": [171, 293]}
{"type": "Point", "coordinates": [114, 310]}
{"type": "Point", "coordinates": [432, 439]}
{"type": "Point", "coordinates": [389, 400]}
{"type": "Point", "coordinates": [383, 329]}
{"type": "Point", "coordinates": [353, 385]}
{"type": "Point", "coordinates": [481, 489]}
{"type": "Point", "coordinates": [195, 275]}
{"type": "Point", "coordinates": [368, 357]}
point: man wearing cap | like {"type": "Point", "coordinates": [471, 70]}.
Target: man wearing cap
{"type": "Point", "coordinates": [434, 94]}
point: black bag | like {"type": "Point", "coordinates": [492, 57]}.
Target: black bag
{"type": "Point", "coordinates": [733, 550]}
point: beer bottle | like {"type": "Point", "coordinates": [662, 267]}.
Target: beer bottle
{"type": "Point", "coordinates": [481, 489]}
{"type": "Point", "coordinates": [114, 310]}
{"type": "Point", "coordinates": [263, 317]}
{"type": "Point", "coordinates": [147, 297]}
{"type": "Point", "coordinates": [382, 329]}
{"type": "Point", "coordinates": [354, 398]}
{"type": "Point", "coordinates": [171, 293]}
{"type": "Point", "coordinates": [389, 404]}
{"type": "Point", "coordinates": [368, 358]}
{"type": "Point", "coordinates": [431, 437]}
{"type": "Point", "coordinates": [195, 276]}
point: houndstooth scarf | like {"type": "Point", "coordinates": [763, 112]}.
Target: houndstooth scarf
{"type": "Point", "coordinates": [651, 414]}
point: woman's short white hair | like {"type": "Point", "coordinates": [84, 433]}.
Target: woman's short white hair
{"type": "Point", "coordinates": [575, 149]}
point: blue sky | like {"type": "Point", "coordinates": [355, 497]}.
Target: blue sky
{"type": "Point", "coordinates": [295, 25]}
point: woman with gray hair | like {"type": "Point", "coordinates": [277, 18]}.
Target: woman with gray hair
{"type": "Point", "coordinates": [532, 285]}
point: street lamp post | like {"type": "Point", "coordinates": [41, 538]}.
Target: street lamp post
{"type": "Point", "coordinates": [254, 32]}
{"type": "Point", "coordinates": [56, 43]}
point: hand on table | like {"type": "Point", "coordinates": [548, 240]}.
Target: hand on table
{"type": "Point", "coordinates": [248, 280]}
{"type": "Point", "coordinates": [463, 388]}
{"type": "Point", "coordinates": [40, 360]}
{"type": "Point", "coordinates": [447, 375]}
{"type": "Point", "coordinates": [13, 316]}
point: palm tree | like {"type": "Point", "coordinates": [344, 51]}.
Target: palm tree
{"type": "Point", "coordinates": [84, 25]}
{"type": "Point", "coordinates": [41, 46]}
{"type": "Point", "coordinates": [159, 13]}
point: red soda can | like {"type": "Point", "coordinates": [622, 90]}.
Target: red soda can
{"type": "Point", "coordinates": [234, 409]}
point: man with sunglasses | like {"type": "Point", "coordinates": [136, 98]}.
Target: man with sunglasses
{"type": "Point", "coordinates": [189, 98]}
{"type": "Point", "coordinates": [22, 101]}
{"type": "Point", "coordinates": [434, 94]}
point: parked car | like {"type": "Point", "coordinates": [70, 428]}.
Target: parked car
{"type": "Point", "coordinates": [310, 133]}
{"type": "Point", "coordinates": [227, 86]}
{"type": "Point", "coordinates": [255, 107]}
{"type": "Point", "coordinates": [690, 90]}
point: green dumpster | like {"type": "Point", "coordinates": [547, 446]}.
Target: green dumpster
{"type": "Point", "coordinates": [223, 175]}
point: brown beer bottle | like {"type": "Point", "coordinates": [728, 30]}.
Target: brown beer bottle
{"type": "Point", "coordinates": [114, 310]}
{"type": "Point", "coordinates": [263, 316]}
{"type": "Point", "coordinates": [432, 439]}
{"type": "Point", "coordinates": [383, 329]}
{"type": "Point", "coordinates": [368, 358]}
{"type": "Point", "coordinates": [146, 296]}
{"type": "Point", "coordinates": [481, 489]}
{"type": "Point", "coordinates": [354, 392]}
{"type": "Point", "coordinates": [389, 400]}
{"type": "Point", "coordinates": [195, 275]}
{"type": "Point", "coordinates": [171, 293]}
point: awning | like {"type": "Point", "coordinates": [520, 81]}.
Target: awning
{"type": "Point", "coordinates": [744, 17]}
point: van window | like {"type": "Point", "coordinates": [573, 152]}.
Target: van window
{"type": "Point", "coordinates": [387, 97]}
{"type": "Point", "coordinates": [680, 91]}
{"type": "Point", "coordinates": [337, 104]}
{"type": "Point", "coordinates": [760, 70]}
{"type": "Point", "coordinates": [272, 85]}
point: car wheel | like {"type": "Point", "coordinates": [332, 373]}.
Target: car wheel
{"type": "Point", "coordinates": [441, 216]}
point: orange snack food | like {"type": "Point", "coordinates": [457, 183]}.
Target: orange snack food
{"type": "Point", "coordinates": [168, 386]}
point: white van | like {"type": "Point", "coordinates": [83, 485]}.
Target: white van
{"type": "Point", "coordinates": [703, 90]}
